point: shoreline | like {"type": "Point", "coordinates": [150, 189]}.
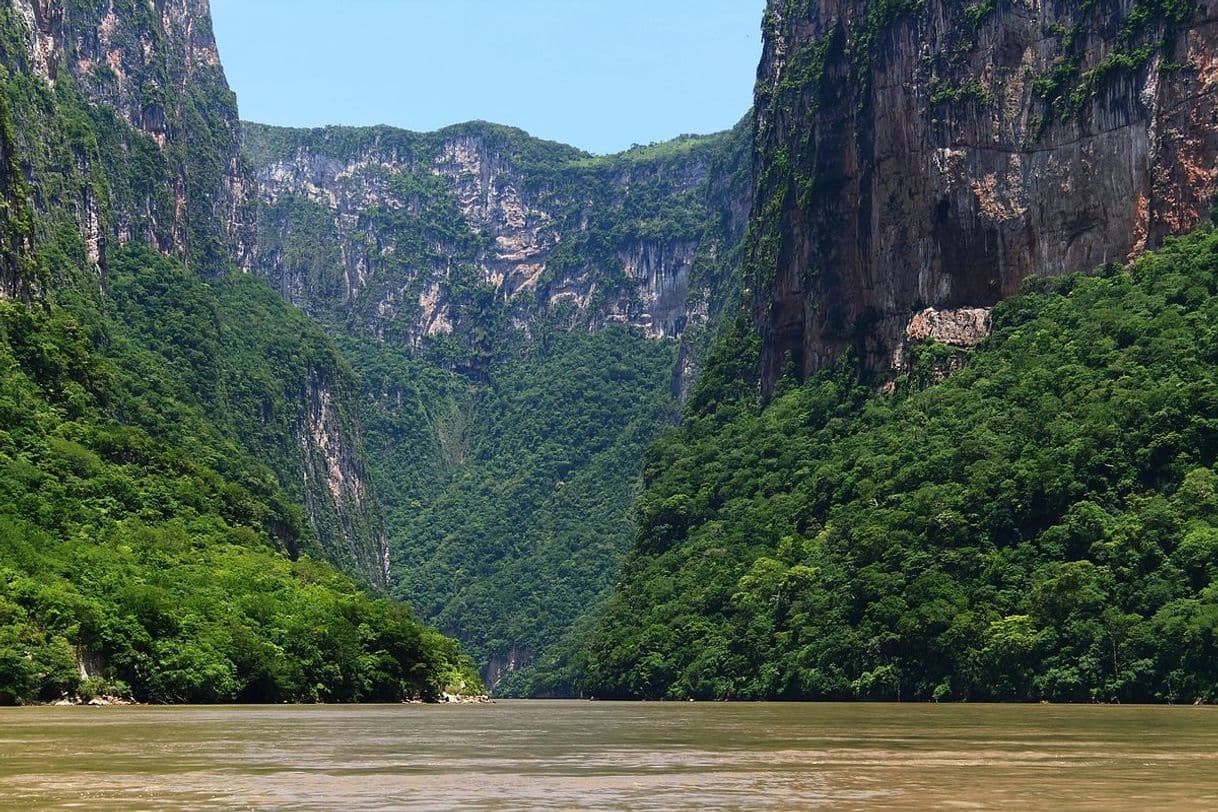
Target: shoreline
{"type": "Point", "coordinates": [455, 699]}
{"type": "Point", "coordinates": [111, 701]}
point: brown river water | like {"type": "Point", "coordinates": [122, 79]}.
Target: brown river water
{"type": "Point", "coordinates": [565, 755]}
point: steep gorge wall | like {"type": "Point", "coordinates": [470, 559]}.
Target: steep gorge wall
{"type": "Point", "coordinates": [339, 495]}
{"type": "Point", "coordinates": [156, 67]}
{"type": "Point", "coordinates": [117, 126]}
{"type": "Point", "coordinates": [933, 154]}
{"type": "Point", "coordinates": [479, 279]}
{"type": "Point", "coordinates": [408, 235]}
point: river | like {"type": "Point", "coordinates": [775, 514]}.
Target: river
{"type": "Point", "coordinates": [562, 755]}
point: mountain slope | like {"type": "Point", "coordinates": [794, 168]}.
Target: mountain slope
{"type": "Point", "coordinates": [168, 145]}
{"type": "Point", "coordinates": [176, 444]}
{"type": "Point", "coordinates": [1040, 525]}
{"type": "Point", "coordinates": [868, 498]}
{"type": "Point", "coordinates": [123, 129]}
{"type": "Point", "coordinates": [142, 551]}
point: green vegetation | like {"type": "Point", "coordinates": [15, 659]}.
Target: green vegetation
{"type": "Point", "coordinates": [1147, 29]}
{"type": "Point", "coordinates": [253, 365]}
{"type": "Point", "coordinates": [977, 13]}
{"type": "Point", "coordinates": [77, 167]}
{"type": "Point", "coordinates": [509, 502]}
{"type": "Point", "coordinates": [972, 91]}
{"type": "Point", "coordinates": [154, 476]}
{"type": "Point", "coordinates": [155, 552]}
{"type": "Point", "coordinates": [1041, 525]}
{"type": "Point", "coordinates": [507, 453]}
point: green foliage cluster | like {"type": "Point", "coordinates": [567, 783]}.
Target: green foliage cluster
{"type": "Point", "coordinates": [18, 224]}
{"type": "Point", "coordinates": [1042, 525]}
{"type": "Point", "coordinates": [972, 90]}
{"type": "Point", "coordinates": [977, 13]}
{"type": "Point", "coordinates": [415, 421]}
{"type": "Point", "coordinates": [807, 69]}
{"type": "Point", "coordinates": [866, 37]}
{"type": "Point", "coordinates": [509, 502]}
{"type": "Point", "coordinates": [253, 365]}
{"type": "Point", "coordinates": [158, 556]}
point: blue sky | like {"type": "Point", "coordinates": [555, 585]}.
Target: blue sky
{"type": "Point", "coordinates": [599, 74]}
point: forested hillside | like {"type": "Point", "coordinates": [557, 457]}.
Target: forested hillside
{"type": "Point", "coordinates": [520, 530]}
{"type": "Point", "coordinates": [175, 453]}
{"type": "Point", "coordinates": [144, 553]}
{"type": "Point", "coordinates": [1040, 525]}
{"type": "Point", "coordinates": [871, 495]}
{"type": "Point", "coordinates": [524, 319]}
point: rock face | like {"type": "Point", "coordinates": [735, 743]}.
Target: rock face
{"type": "Point", "coordinates": [501, 665]}
{"type": "Point", "coordinates": [156, 67]}
{"type": "Point", "coordinates": [963, 328]}
{"type": "Point", "coordinates": [966, 327]}
{"type": "Point", "coordinates": [418, 237]}
{"type": "Point", "coordinates": [117, 126]}
{"type": "Point", "coordinates": [337, 485]}
{"type": "Point", "coordinates": [935, 153]}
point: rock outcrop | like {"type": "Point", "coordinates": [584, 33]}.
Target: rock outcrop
{"type": "Point", "coordinates": [501, 665]}
{"type": "Point", "coordinates": [337, 484]}
{"type": "Point", "coordinates": [156, 67]}
{"type": "Point", "coordinates": [117, 126]}
{"type": "Point", "coordinates": [935, 153]}
{"type": "Point", "coordinates": [419, 236]}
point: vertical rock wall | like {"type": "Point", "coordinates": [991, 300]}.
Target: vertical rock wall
{"type": "Point", "coordinates": [117, 122]}
{"type": "Point", "coordinates": [156, 67]}
{"type": "Point", "coordinates": [916, 154]}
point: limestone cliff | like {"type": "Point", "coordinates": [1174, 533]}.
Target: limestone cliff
{"type": "Point", "coordinates": [338, 487]}
{"type": "Point", "coordinates": [117, 127]}
{"type": "Point", "coordinates": [422, 238]}
{"type": "Point", "coordinates": [155, 66]}
{"type": "Point", "coordinates": [915, 154]}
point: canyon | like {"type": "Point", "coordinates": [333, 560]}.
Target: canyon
{"type": "Point", "coordinates": [729, 416]}
{"type": "Point", "coordinates": [525, 317]}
